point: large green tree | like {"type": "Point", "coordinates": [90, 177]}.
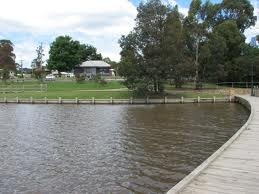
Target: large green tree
{"type": "Point", "coordinates": [203, 46]}
{"type": "Point", "coordinates": [147, 52]}
{"type": "Point", "coordinates": [65, 53]}
{"type": "Point", "coordinates": [179, 65]}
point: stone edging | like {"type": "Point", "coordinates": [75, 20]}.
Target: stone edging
{"type": "Point", "coordinates": [189, 178]}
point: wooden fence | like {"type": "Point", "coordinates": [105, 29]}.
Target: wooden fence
{"type": "Point", "coordinates": [23, 88]}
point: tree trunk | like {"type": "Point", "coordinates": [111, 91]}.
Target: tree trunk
{"type": "Point", "coordinates": [197, 65]}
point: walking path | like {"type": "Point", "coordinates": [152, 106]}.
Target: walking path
{"type": "Point", "coordinates": [234, 168]}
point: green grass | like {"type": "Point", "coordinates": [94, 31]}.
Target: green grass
{"type": "Point", "coordinates": [89, 89]}
{"type": "Point", "coordinates": [70, 90]}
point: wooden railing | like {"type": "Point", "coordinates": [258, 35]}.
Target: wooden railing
{"type": "Point", "coordinates": [23, 88]}
{"type": "Point", "coordinates": [111, 101]}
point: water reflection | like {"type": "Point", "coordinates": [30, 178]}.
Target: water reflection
{"type": "Point", "coordinates": [108, 149]}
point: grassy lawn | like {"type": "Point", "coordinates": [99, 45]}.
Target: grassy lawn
{"type": "Point", "coordinates": [70, 90]}
{"type": "Point", "coordinates": [89, 89]}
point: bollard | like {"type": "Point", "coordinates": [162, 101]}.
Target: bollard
{"type": "Point", "coordinates": [230, 99]}
{"type": "Point", "coordinates": [165, 100]}
{"type": "Point", "coordinates": [93, 100]}
{"type": "Point", "coordinates": [214, 99]}
{"type": "Point", "coordinates": [131, 100]}
{"type": "Point", "coordinates": [147, 100]}
{"type": "Point", "coordinates": [60, 100]}
{"type": "Point", "coordinates": [111, 100]}
{"type": "Point", "coordinates": [5, 100]}
{"type": "Point", "coordinates": [76, 100]}
{"type": "Point", "coordinates": [31, 100]}
{"type": "Point", "coordinates": [182, 100]}
{"type": "Point", "coordinates": [46, 100]}
{"type": "Point", "coordinates": [199, 99]}
{"type": "Point", "coordinates": [17, 100]}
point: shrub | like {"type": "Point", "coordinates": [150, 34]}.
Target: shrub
{"type": "Point", "coordinates": [80, 78]}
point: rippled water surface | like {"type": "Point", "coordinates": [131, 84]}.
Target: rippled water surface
{"type": "Point", "coordinates": [108, 149]}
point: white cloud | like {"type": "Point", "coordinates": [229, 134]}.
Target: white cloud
{"type": "Point", "coordinates": [99, 22]}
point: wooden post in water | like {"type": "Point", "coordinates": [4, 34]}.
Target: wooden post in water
{"type": "Point", "coordinates": [60, 100]}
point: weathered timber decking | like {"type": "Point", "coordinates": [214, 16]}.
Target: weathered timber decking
{"type": "Point", "coordinates": [234, 168]}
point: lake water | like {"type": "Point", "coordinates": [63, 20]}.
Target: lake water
{"type": "Point", "coordinates": [109, 149]}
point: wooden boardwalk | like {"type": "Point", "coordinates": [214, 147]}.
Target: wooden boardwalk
{"type": "Point", "coordinates": [234, 168]}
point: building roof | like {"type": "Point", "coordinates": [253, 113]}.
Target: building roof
{"type": "Point", "coordinates": [95, 64]}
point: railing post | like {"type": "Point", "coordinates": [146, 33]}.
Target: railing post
{"type": "Point", "coordinates": [165, 100]}
{"type": "Point", "coordinates": [31, 100]}
{"type": "Point", "coordinates": [147, 100]}
{"type": "Point", "coordinates": [182, 100]}
{"type": "Point", "coordinates": [60, 100]}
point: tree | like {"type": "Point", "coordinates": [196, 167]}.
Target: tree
{"type": "Point", "coordinates": [7, 58]}
{"type": "Point", "coordinates": [64, 54]}
{"type": "Point", "coordinates": [114, 64]}
{"type": "Point", "coordinates": [196, 35]}
{"type": "Point", "coordinates": [147, 51]}
{"type": "Point", "coordinates": [240, 11]}
{"type": "Point", "coordinates": [37, 63]}
{"type": "Point", "coordinates": [89, 52]}
{"type": "Point", "coordinates": [179, 64]}
{"type": "Point", "coordinates": [129, 66]}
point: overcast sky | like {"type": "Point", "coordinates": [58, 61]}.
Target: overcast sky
{"type": "Point", "coordinates": [99, 22]}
